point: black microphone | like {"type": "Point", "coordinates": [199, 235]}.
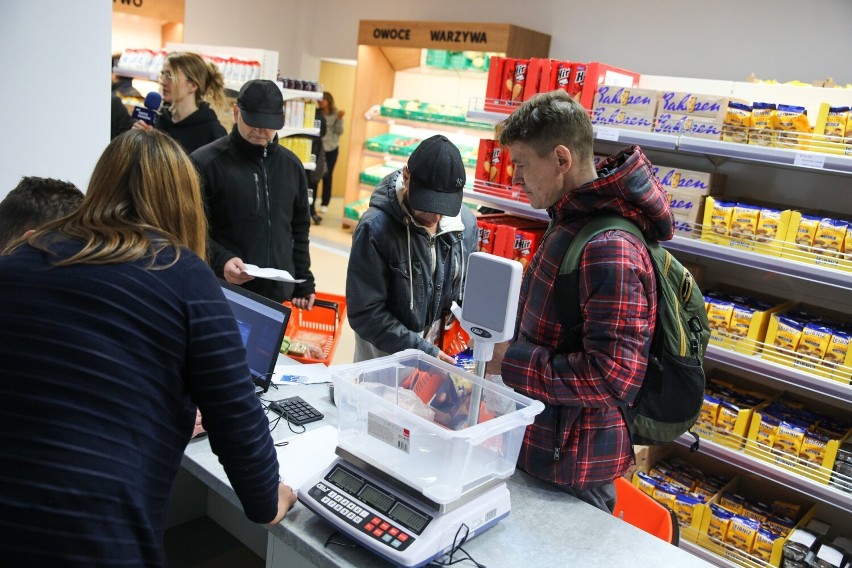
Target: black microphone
{"type": "Point", "coordinates": [149, 111]}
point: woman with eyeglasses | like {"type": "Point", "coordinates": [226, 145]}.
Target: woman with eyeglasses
{"type": "Point", "coordinates": [190, 84]}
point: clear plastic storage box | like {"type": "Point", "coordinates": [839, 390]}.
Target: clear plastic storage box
{"type": "Point", "coordinates": [408, 415]}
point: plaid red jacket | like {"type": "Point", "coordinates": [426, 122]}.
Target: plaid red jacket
{"type": "Point", "coordinates": [581, 438]}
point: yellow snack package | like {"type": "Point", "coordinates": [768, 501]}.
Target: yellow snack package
{"type": "Point", "coordinates": [732, 502]}
{"type": "Point", "coordinates": [786, 509]}
{"type": "Point", "coordinates": [735, 126]}
{"type": "Point", "coordinates": [767, 431]}
{"type": "Point", "coordinates": [762, 124]}
{"type": "Point", "coordinates": [806, 231]}
{"type": "Point", "coordinates": [719, 314]}
{"type": "Point", "coordinates": [684, 507]}
{"type": "Point", "coordinates": [741, 533]}
{"type": "Point", "coordinates": [720, 519]}
{"type": "Point", "coordinates": [767, 225]}
{"type": "Point", "coordinates": [728, 414]}
{"type": "Point", "coordinates": [645, 482]}
{"type": "Point", "coordinates": [788, 335]}
{"type": "Point", "coordinates": [835, 124]}
{"type": "Point", "coordinates": [741, 319]}
{"type": "Point", "coordinates": [744, 221]}
{"type": "Point", "coordinates": [813, 448]}
{"type": "Point", "coordinates": [829, 237]}
{"type": "Point", "coordinates": [813, 343]}
{"type": "Point", "coordinates": [758, 512]}
{"type": "Point", "coordinates": [709, 410]}
{"type": "Point", "coordinates": [791, 123]}
{"type": "Point", "coordinates": [838, 348]}
{"type": "Point", "coordinates": [789, 438]}
{"type": "Point", "coordinates": [847, 246]}
{"type": "Point", "coordinates": [763, 543]}
{"type": "Point", "coordinates": [664, 495]}
{"type": "Point", "coordinates": [720, 220]}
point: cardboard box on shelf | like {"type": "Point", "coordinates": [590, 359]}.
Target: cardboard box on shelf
{"type": "Point", "coordinates": [688, 125]}
{"type": "Point", "coordinates": [619, 117]}
{"type": "Point", "coordinates": [642, 101]}
{"type": "Point", "coordinates": [595, 74]}
{"type": "Point", "coordinates": [693, 104]}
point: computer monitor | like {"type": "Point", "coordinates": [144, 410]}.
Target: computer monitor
{"type": "Point", "coordinates": [262, 323]}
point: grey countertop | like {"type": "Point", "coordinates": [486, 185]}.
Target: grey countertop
{"type": "Point", "coordinates": [544, 525]}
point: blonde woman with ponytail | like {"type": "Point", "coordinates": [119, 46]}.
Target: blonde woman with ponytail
{"type": "Point", "coordinates": [193, 90]}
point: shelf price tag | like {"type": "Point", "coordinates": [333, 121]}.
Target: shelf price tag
{"type": "Point", "coordinates": [809, 160]}
{"type": "Point", "coordinates": [606, 133]}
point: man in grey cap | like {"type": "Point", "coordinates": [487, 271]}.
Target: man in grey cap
{"type": "Point", "coordinates": [409, 254]}
{"type": "Point", "coordinates": [256, 197]}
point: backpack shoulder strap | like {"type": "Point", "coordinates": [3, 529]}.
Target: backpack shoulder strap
{"type": "Point", "coordinates": [590, 230]}
{"type": "Point", "coordinates": [567, 289]}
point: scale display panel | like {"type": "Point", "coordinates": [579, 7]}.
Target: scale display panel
{"type": "Point", "coordinates": [394, 526]}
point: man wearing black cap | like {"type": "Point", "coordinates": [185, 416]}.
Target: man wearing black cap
{"type": "Point", "coordinates": [409, 254]}
{"type": "Point", "coordinates": [256, 197]}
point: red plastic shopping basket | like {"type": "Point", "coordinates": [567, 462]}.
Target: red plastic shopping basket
{"type": "Point", "coordinates": [320, 326]}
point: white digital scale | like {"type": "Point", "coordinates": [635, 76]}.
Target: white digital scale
{"type": "Point", "coordinates": [394, 521]}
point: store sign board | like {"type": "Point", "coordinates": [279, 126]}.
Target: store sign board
{"type": "Point", "coordinates": [166, 10]}
{"type": "Point", "coordinates": [435, 35]}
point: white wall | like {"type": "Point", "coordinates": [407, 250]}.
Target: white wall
{"type": "Point", "coordinates": [54, 57]}
{"type": "Point", "coordinates": [724, 39]}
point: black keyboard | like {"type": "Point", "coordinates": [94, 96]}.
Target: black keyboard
{"type": "Point", "coordinates": [296, 410]}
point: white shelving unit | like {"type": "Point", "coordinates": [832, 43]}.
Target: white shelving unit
{"type": "Point", "coordinates": [789, 178]}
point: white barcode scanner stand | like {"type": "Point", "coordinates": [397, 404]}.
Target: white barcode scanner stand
{"type": "Point", "coordinates": [489, 305]}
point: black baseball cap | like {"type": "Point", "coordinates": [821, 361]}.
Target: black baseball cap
{"type": "Point", "coordinates": [261, 104]}
{"type": "Point", "coordinates": [437, 177]}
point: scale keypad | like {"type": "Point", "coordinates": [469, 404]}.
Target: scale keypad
{"type": "Point", "coordinates": [357, 516]}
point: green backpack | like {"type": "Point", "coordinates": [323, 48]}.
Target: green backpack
{"type": "Point", "coordinates": [672, 391]}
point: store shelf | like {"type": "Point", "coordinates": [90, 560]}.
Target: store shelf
{"type": "Point", "coordinates": [137, 74]}
{"type": "Point", "coordinates": [714, 149]}
{"type": "Point", "coordinates": [782, 266]}
{"type": "Point", "coordinates": [464, 128]}
{"type": "Point", "coordinates": [824, 493]}
{"type": "Point", "coordinates": [820, 162]}
{"type": "Point", "coordinates": [707, 555]}
{"type": "Point", "coordinates": [294, 94]}
{"type": "Point", "coordinates": [505, 204]}
{"type": "Point", "coordinates": [293, 131]}
{"type": "Point", "coordinates": [780, 373]}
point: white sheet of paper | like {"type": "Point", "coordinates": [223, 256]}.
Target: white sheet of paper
{"type": "Point", "coordinates": [305, 455]}
{"type": "Point", "coordinates": [271, 274]}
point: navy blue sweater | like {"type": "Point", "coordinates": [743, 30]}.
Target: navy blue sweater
{"type": "Point", "coordinates": [101, 369]}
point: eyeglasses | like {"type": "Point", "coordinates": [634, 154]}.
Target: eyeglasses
{"type": "Point", "coordinates": [166, 76]}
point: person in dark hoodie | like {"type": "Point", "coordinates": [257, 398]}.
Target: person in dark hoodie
{"type": "Point", "coordinates": [189, 86]}
{"type": "Point", "coordinates": [581, 441]}
{"type": "Point", "coordinates": [409, 254]}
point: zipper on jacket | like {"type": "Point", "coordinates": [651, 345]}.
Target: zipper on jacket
{"type": "Point", "coordinates": [268, 211]}
{"type": "Point", "coordinates": [557, 434]}
{"type": "Point", "coordinates": [257, 193]}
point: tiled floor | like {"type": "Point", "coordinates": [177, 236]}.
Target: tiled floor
{"type": "Point", "coordinates": [329, 258]}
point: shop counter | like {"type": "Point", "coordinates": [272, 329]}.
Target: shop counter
{"type": "Point", "coordinates": [544, 525]}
